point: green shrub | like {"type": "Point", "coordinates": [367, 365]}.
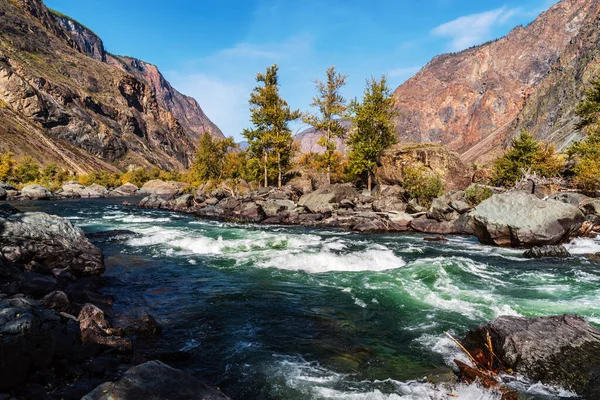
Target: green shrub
{"type": "Point", "coordinates": [475, 194]}
{"type": "Point", "coordinates": [27, 171]}
{"type": "Point", "coordinates": [422, 184]}
{"type": "Point", "coordinates": [7, 164]}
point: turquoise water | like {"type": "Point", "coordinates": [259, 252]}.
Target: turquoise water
{"type": "Point", "coordinates": [293, 313]}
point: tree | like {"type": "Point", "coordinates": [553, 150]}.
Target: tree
{"type": "Point", "coordinates": [270, 141]}
{"type": "Point", "coordinates": [7, 164]}
{"type": "Point", "coordinates": [331, 107]}
{"type": "Point", "coordinates": [27, 170]}
{"type": "Point", "coordinates": [210, 158]}
{"type": "Point", "coordinates": [526, 153]}
{"type": "Point", "coordinates": [373, 129]}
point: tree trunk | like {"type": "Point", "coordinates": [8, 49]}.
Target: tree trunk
{"type": "Point", "coordinates": [369, 180]}
{"type": "Point", "coordinates": [266, 173]}
{"type": "Point", "coordinates": [329, 153]}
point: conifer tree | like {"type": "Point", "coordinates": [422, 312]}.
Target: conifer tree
{"type": "Point", "coordinates": [210, 158]}
{"type": "Point", "coordinates": [270, 139]}
{"type": "Point", "coordinates": [373, 129]}
{"type": "Point", "coordinates": [331, 107]}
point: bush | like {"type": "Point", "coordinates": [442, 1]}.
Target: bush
{"type": "Point", "coordinates": [587, 167]}
{"type": "Point", "coordinates": [526, 154]}
{"type": "Point", "coordinates": [27, 171]}
{"type": "Point", "coordinates": [7, 164]}
{"type": "Point", "coordinates": [422, 184]}
{"type": "Point", "coordinates": [475, 194]}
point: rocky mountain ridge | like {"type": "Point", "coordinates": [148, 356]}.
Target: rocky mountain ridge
{"type": "Point", "coordinates": [475, 100]}
{"type": "Point", "coordinates": [64, 99]}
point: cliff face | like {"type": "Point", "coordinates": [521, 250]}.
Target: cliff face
{"type": "Point", "coordinates": [474, 100]}
{"type": "Point", "coordinates": [64, 99]}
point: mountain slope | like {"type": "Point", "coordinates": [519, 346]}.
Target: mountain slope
{"type": "Point", "coordinates": [474, 100]}
{"type": "Point", "coordinates": [64, 99]}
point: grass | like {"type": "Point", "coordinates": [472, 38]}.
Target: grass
{"type": "Point", "coordinates": [61, 15]}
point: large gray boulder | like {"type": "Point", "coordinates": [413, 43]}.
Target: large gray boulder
{"type": "Point", "coordinates": [520, 219]}
{"type": "Point", "coordinates": [163, 189]}
{"type": "Point", "coordinates": [35, 192]}
{"type": "Point", "coordinates": [99, 189]}
{"type": "Point", "coordinates": [126, 190]}
{"type": "Point", "coordinates": [50, 240]}
{"type": "Point", "coordinates": [325, 199]}
{"type": "Point", "coordinates": [155, 380]}
{"type": "Point", "coordinates": [570, 198]}
{"type": "Point", "coordinates": [74, 189]}
{"type": "Point", "coordinates": [558, 350]}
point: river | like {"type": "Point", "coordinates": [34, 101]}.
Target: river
{"type": "Point", "coordinates": [296, 313]}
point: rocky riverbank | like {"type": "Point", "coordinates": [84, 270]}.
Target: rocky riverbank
{"type": "Point", "coordinates": [55, 338]}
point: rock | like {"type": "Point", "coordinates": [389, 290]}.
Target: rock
{"type": "Point", "coordinates": [3, 194]}
{"type": "Point", "coordinates": [229, 204]}
{"type": "Point", "coordinates": [414, 208]}
{"type": "Point", "coordinates": [36, 285]}
{"type": "Point", "coordinates": [325, 199]}
{"type": "Point", "coordinates": [558, 350]}
{"type": "Point", "coordinates": [163, 189]}
{"type": "Point", "coordinates": [520, 219]}
{"type": "Point", "coordinates": [183, 202]}
{"type": "Point", "coordinates": [101, 190]}
{"type": "Point", "coordinates": [7, 186]}
{"type": "Point", "coordinates": [547, 252]}
{"type": "Point", "coordinates": [389, 198]}
{"type": "Point", "coordinates": [35, 266]}
{"type": "Point", "coordinates": [590, 207]}
{"type": "Point", "coordinates": [36, 192]}
{"type": "Point", "coordinates": [213, 201]}
{"type": "Point", "coordinates": [211, 212]}
{"type": "Point", "coordinates": [274, 207]}
{"type": "Point", "coordinates": [57, 301]}
{"type": "Point", "coordinates": [436, 158]}
{"type": "Point", "coordinates": [248, 212]}
{"type": "Point", "coordinates": [7, 210]}
{"type": "Point", "coordinates": [74, 189]}
{"type": "Point", "coordinates": [49, 240]}
{"type": "Point", "coordinates": [126, 190]}
{"type": "Point", "coordinates": [155, 380]}
{"type": "Point", "coordinates": [570, 198]}
{"type": "Point", "coordinates": [460, 206]}
{"type": "Point", "coordinates": [153, 201]}
{"type": "Point", "coordinates": [147, 326]}
{"type": "Point", "coordinates": [95, 330]}
{"type": "Point", "coordinates": [441, 211]}
{"type": "Point", "coordinates": [433, 226]}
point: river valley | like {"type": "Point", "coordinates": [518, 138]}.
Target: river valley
{"type": "Point", "coordinates": [295, 313]}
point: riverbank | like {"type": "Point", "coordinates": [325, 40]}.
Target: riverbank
{"type": "Point", "coordinates": [286, 312]}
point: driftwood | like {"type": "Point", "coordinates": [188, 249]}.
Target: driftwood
{"type": "Point", "coordinates": [471, 375]}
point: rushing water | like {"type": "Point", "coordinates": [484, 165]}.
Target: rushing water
{"type": "Point", "coordinates": [294, 313]}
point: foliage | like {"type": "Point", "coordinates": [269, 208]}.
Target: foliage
{"type": "Point", "coordinates": [421, 184]}
{"type": "Point", "coordinates": [27, 171]}
{"type": "Point", "coordinates": [475, 194]}
{"type": "Point", "coordinates": [270, 139]}
{"type": "Point", "coordinates": [373, 130]}
{"type": "Point", "coordinates": [313, 161]}
{"type": "Point", "coordinates": [525, 154]}
{"type": "Point", "coordinates": [210, 160]}
{"type": "Point", "coordinates": [104, 178]}
{"type": "Point", "coordinates": [331, 107]}
{"type": "Point", "coordinates": [7, 164]}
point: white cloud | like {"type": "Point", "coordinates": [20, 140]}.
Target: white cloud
{"type": "Point", "coordinates": [473, 29]}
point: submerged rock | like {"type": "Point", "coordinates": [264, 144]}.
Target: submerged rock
{"type": "Point", "coordinates": [521, 219]}
{"type": "Point", "coordinates": [558, 350]}
{"type": "Point", "coordinates": [547, 252]}
{"type": "Point", "coordinates": [50, 240]}
{"type": "Point", "coordinates": [155, 380]}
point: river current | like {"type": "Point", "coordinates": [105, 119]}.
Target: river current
{"type": "Point", "coordinates": [296, 313]}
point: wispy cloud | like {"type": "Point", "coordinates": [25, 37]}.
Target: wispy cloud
{"type": "Point", "coordinates": [473, 29]}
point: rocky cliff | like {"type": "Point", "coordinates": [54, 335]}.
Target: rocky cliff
{"type": "Point", "coordinates": [64, 99]}
{"type": "Point", "coordinates": [532, 78]}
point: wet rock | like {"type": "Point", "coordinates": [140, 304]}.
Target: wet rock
{"type": "Point", "coordinates": [114, 235]}
{"type": "Point", "coordinates": [126, 190]}
{"type": "Point", "coordinates": [558, 350]}
{"type": "Point", "coordinates": [229, 204]}
{"type": "Point", "coordinates": [57, 301]}
{"type": "Point", "coordinates": [49, 240]}
{"type": "Point", "coordinates": [558, 251]}
{"type": "Point", "coordinates": [389, 198]}
{"type": "Point", "coordinates": [183, 202]}
{"type": "Point", "coordinates": [248, 212]}
{"type": "Point", "coordinates": [96, 330]}
{"type": "Point", "coordinates": [36, 192]}
{"type": "Point", "coordinates": [427, 225]}
{"type": "Point", "coordinates": [153, 201]}
{"type": "Point", "coordinates": [448, 207]}
{"type": "Point", "coordinates": [211, 212]}
{"type": "Point", "coordinates": [155, 380]}
{"type": "Point", "coordinates": [521, 219]}
{"type": "Point", "coordinates": [325, 199]}
{"type": "Point", "coordinates": [273, 207]}
{"type": "Point", "coordinates": [36, 285]}
{"type": "Point", "coordinates": [167, 190]}
{"type": "Point", "coordinates": [147, 326]}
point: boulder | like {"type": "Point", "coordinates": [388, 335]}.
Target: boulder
{"type": "Point", "coordinates": [126, 190]}
{"type": "Point", "coordinates": [520, 219]}
{"type": "Point", "coordinates": [30, 337]}
{"type": "Point", "coordinates": [558, 251]}
{"type": "Point", "coordinates": [3, 194]}
{"type": "Point", "coordinates": [426, 225]}
{"type": "Point", "coordinates": [147, 326]}
{"type": "Point", "coordinates": [74, 189]}
{"type": "Point", "coordinates": [7, 186]}
{"type": "Point", "coordinates": [36, 192]}
{"type": "Point", "coordinates": [50, 240]}
{"type": "Point", "coordinates": [557, 350]}
{"type": "Point", "coordinates": [449, 206]}
{"type": "Point", "coordinates": [101, 190]}
{"type": "Point", "coordinates": [248, 212]}
{"type": "Point", "coordinates": [96, 330]}
{"type": "Point", "coordinates": [164, 189]}
{"type": "Point", "coordinates": [389, 198]}
{"type": "Point", "coordinates": [183, 202]}
{"type": "Point", "coordinates": [590, 207]}
{"type": "Point", "coordinates": [155, 380]}
{"type": "Point", "coordinates": [36, 285]}
{"type": "Point", "coordinates": [274, 207]}
{"type": "Point", "coordinates": [57, 301]}
{"type": "Point", "coordinates": [153, 201]}
{"type": "Point", "coordinates": [325, 199]}
{"type": "Point", "coordinates": [570, 198]}
{"type": "Point", "coordinates": [434, 157]}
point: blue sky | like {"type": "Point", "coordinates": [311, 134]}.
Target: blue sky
{"type": "Point", "coordinates": [212, 50]}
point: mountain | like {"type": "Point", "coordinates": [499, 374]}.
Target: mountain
{"type": "Point", "coordinates": [65, 99]}
{"type": "Point", "coordinates": [308, 138]}
{"type": "Point", "coordinates": [474, 101]}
